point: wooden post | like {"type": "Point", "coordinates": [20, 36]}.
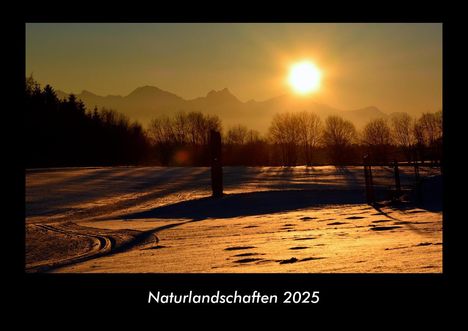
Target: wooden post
{"type": "Point", "coordinates": [368, 180]}
{"type": "Point", "coordinates": [216, 167]}
{"type": "Point", "coordinates": [397, 179]}
{"type": "Point", "coordinates": [416, 171]}
{"type": "Point", "coordinates": [366, 177]}
{"type": "Point", "coordinates": [371, 185]}
{"type": "Point", "coordinates": [418, 182]}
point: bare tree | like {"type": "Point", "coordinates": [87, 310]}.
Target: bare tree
{"type": "Point", "coordinates": [439, 136]}
{"type": "Point", "coordinates": [195, 127]}
{"type": "Point", "coordinates": [237, 135]}
{"type": "Point", "coordinates": [431, 124]}
{"type": "Point", "coordinates": [377, 137]}
{"type": "Point", "coordinates": [172, 134]}
{"type": "Point", "coordinates": [180, 128]}
{"type": "Point", "coordinates": [212, 122]}
{"type": "Point", "coordinates": [402, 132]}
{"type": "Point", "coordinates": [377, 132]}
{"type": "Point", "coordinates": [309, 131]}
{"type": "Point", "coordinates": [161, 134]}
{"type": "Point", "coordinates": [253, 136]}
{"type": "Point", "coordinates": [160, 130]}
{"type": "Point", "coordinates": [284, 132]}
{"type": "Point", "coordinates": [439, 120]}
{"type": "Point", "coordinates": [338, 136]}
{"type": "Point", "coordinates": [428, 133]}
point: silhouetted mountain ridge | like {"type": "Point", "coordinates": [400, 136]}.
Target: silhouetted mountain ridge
{"type": "Point", "coordinates": [147, 102]}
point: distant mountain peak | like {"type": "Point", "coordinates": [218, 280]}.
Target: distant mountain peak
{"type": "Point", "coordinates": [87, 93]}
{"type": "Point", "coordinates": [148, 91]}
{"type": "Point", "coordinates": [223, 91]}
{"type": "Point", "coordinates": [61, 94]}
{"type": "Point", "coordinates": [222, 95]}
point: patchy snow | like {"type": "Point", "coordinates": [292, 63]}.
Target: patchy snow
{"type": "Point", "coordinates": [272, 219]}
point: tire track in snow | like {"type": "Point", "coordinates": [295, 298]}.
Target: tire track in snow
{"type": "Point", "coordinates": [104, 245]}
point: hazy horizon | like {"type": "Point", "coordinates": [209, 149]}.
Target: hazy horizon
{"type": "Point", "coordinates": [395, 67]}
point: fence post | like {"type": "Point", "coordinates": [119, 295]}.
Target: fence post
{"type": "Point", "coordinates": [368, 180]}
{"type": "Point", "coordinates": [416, 171]}
{"type": "Point", "coordinates": [216, 167]}
{"type": "Point", "coordinates": [418, 182]}
{"type": "Point", "coordinates": [397, 179]}
{"type": "Point", "coordinates": [371, 185]}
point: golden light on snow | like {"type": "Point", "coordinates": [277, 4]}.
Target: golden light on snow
{"type": "Point", "coordinates": [310, 229]}
{"type": "Point", "coordinates": [304, 77]}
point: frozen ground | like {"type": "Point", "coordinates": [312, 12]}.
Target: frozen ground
{"type": "Point", "coordinates": [272, 219]}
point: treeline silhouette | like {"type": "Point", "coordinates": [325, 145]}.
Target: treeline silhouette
{"type": "Point", "coordinates": [65, 133]}
{"type": "Point", "coordinates": [300, 138]}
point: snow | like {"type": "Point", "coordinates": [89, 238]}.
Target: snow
{"type": "Point", "coordinates": [271, 219]}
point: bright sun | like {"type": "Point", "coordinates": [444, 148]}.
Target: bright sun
{"type": "Point", "coordinates": [304, 77]}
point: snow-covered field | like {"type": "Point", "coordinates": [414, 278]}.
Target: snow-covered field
{"type": "Point", "coordinates": [272, 219]}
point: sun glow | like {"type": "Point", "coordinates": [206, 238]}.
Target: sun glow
{"type": "Point", "coordinates": [304, 77]}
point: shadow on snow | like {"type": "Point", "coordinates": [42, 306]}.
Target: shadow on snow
{"type": "Point", "coordinates": [249, 204]}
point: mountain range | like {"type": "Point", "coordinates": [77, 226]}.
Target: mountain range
{"type": "Point", "coordinates": [148, 102]}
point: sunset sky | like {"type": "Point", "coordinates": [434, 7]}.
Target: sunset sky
{"type": "Point", "coordinates": [396, 67]}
